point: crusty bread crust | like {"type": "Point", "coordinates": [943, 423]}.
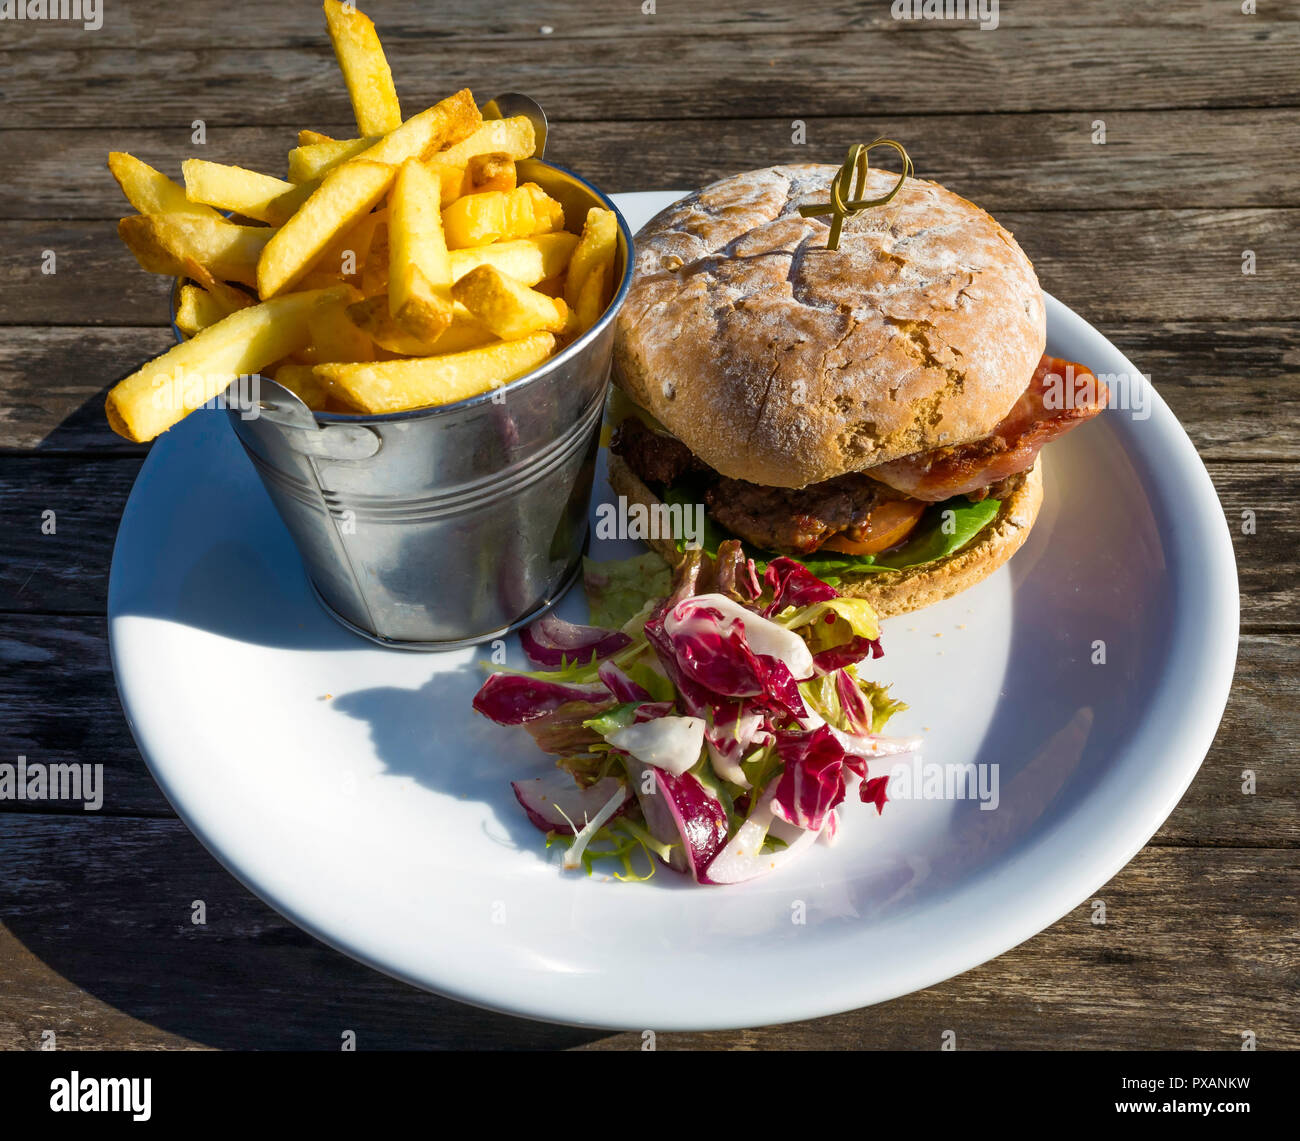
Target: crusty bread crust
{"type": "Point", "coordinates": [897, 592]}
{"type": "Point", "coordinates": [783, 363]}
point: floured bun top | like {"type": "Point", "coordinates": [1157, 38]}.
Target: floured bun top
{"type": "Point", "coordinates": [780, 362]}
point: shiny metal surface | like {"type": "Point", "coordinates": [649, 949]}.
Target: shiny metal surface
{"type": "Point", "coordinates": [440, 527]}
{"type": "Point", "coordinates": [511, 104]}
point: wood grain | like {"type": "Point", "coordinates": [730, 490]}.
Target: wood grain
{"type": "Point", "coordinates": [247, 23]}
{"type": "Point", "coordinates": [678, 75]}
{"type": "Point", "coordinates": [1184, 928]}
{"type": "Point", "coordinates": [1214, 159]}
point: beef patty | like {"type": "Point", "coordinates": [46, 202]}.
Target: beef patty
{"type": "Point", "coordinates": [784, 519]}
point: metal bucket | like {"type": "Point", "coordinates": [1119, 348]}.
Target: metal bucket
{"type": "Point", "coordinates": [442, 527]}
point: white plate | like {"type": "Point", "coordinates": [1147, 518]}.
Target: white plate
{"type": "Point", "coordinates": [381, 818]}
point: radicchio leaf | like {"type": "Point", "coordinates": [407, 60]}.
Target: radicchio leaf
{"type": "Point", "coordinates": [620, 685]}
{"type": "Point", "coordinates": [813, 780]}
{"type": "Point", "coordinates": [857, 711]}
{"type": "Point", "coordinates": [554, 803]}
{"type": "Point", "coordinates": [873, 792]}
{"type": "Point", "coordinates": [565, 730]}
{"type": "Point", "coordinates": [678, 810]}
{"type": "Point", "coordinates": [552, 642]}
{"type": "Point", "coordinates": [793, 584]}
{"type": "Point", "coordinates": [846, 654]}
{"type": "Point", "coordinates": [732, 733]}
{"type": "Point", "coordinates": [512, 699]}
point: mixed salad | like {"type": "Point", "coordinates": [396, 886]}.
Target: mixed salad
{"type": "Point", "coordinates": [717, 729]}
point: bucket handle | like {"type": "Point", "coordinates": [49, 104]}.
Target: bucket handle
{"type": "Point", "coordinates": [328, 441]}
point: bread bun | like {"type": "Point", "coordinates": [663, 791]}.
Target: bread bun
{"type": "Point", "coordinates": [897, 592]}
{"type": "Point", "coordinates": [783, 363]}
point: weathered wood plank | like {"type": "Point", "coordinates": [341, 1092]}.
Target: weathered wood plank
{"type": "Point", "coordinates": [68, 569]}
{"type": "Point", "coordinates": [1101, 264]}
{"type": "Point", "coordinates": [1257, 500]}
{"type": "Point", "coordinates": [1164, 264]}
{"type": "Point", "coordinates": [680, 75]}
{"type": "Point", "coordinates": [58, 703]}
{"type": "Point", "coordinates": [1215, 375]}
{"type": "Point", "coordinates": [1255, 734]}
{"type": "Point", "coordinates": [95, 279]}
{"type": "Point", "coordinates": [1172, 159]}
{"type": "Point", "coordinates": [98, 946]}
{"type": "Point", "coordinates": [52, 384]}
{"type": "Point", "coordinates": [1218, 378]}
{"type": "Point", "coordinates": [159, 24]}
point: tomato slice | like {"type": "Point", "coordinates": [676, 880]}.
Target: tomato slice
{"type": "Point", "coordinates": [887, 525]}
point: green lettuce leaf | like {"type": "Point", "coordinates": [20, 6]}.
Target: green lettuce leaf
{"type": "Point", "coordinates": [942, 534]}
{"type": "Point", "coordinates": [617, 589]}
{"type": "Point", "coordinates": [883, 707]}
{"type": "Point", "coordinates": [935, 537]}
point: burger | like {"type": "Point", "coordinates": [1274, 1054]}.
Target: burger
{"type": "Point", "coordinates": [875, 411]}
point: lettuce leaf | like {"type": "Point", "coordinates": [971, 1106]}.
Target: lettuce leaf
{"type": "Point", "coordinates": [931, 539]}
{"type": "Point", "coordinates": [940, 535]}
{"type": "Point", "coordinates": [617, 589]}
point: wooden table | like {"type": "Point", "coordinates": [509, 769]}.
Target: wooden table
{"type": "Point", "coordinates": [1143, 234]}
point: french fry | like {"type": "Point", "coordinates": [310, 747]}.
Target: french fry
{"type": "Point", "coordinates": [373, 318]}
{"type": "Point", "coordinates": [365, 70]}
{"type": "Point", "coordinates": [514, 136]}
{"type": "Point", "coordinates": [310, 162]}
{"type": "Point", "coordinates": [495, 215]}
{"type": "Point", "coordinates": [162, 243]}
{"type": "Point", "coordinates": [360, 304]}
{"type": "Point", "coordinates": [242, 191]}
{"type": "Point", "coordinates": [190, 374]}
{"type": "Point", "coordinates": [318, 279]}
{"type": "Point", "coordinates": [393, 386]}
{"type": "Point", "coordinates": [592, 299]}
{"type": "Point", "coordinates": [334, 337]}
{"type": "Point", "coordinates": [464, 332]}
{"type": "Point", "coordinates": [374, 273]}
{"type": "Point", "coordinates": [343, 198]}
{"type": "Point", "coordinates": [547, 212]}
{"type": "Point", "coordinates": [454, 181]}
{"type": "Point", "coordinates": [432, 129]}
{"type": "Point", "coordinates": [420, 136]}
{"type": "Point", "coordinates": [302, 381]}
{"type": "Point", "coordinates": [528, 260]}
{"type": "Point", "coordinates": [197, 309]}
{"type": "Point", "coordinates": [419, 269]}
{"type": "Point", "coordinates": [493, 171]}
{"type": "Point", "coordinates": [230, 297]}
{"type": "Point", "coordinates": [507, 308]}
{"type": "Point", "coordinates": [150, 191]}
{"type": "Point", "coordinates": [598, 244]}
{"type": "Point", "coordinates": [350, 249]}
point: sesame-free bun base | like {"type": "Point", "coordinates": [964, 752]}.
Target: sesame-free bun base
{"type": "Point", "coordinates": [897, 592]}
